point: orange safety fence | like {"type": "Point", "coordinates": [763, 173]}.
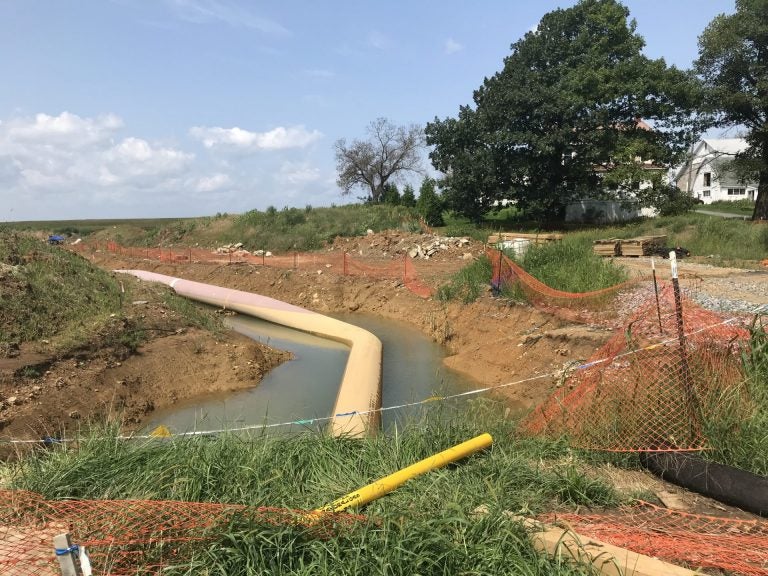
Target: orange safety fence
{"type": "Point", "coordinates": [652, 384]}
{"type": "Point", "coordinates": [595, 307]}
{"type": "Point", "coordinates": [130, 536]}
{"type": "Point", "coordinates": [342, 263]}
{"type": "Point", "coordinates": [607, 307]}
{"type": "Point", "coordinates": [736, 546]}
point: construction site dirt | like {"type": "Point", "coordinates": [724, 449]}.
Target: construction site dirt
{"type": "Point", "coordinates": [493, 340]}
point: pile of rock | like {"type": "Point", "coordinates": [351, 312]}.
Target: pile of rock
{"type": "Point", "coordinates": [231, 248]}
{"type": "Point", "coordinates": [439, 243]}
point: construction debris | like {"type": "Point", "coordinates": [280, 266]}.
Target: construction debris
{"type": "Point", "coordinates": [426, 251]}
{"type": "Point", "coordinates": [394, 243]}
{"type": "Point", "coordinates": [232, 248]}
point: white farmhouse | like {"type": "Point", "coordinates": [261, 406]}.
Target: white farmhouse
{"type": "Point", "coordinates": [706, 176]}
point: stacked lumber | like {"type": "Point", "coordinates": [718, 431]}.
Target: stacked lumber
{"type": "Point", "coordinates": [536, 238]}
{"type": "Point", "coordinates": [641, 246]}
{"type": "Point", "coordinates": [608, 247]}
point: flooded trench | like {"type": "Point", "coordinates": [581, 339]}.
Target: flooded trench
{"type": "Point", "coordinates": [306, 387]}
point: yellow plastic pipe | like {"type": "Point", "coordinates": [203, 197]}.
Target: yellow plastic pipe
{"type": "Point", "coordinates": [388, 483]}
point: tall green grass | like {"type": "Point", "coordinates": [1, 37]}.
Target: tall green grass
{"type": "Point", "coordinates": [311, 228]}
{"type": "Point", "coordinates": [567, 265]}
{"type": "Point", "coordinates": [49, 292]}
{"type": "Point", "coordinates": [743, 207]}
{"type": "Point", "coordinates": [431, 525]}
{"type": "Point", "coordinates": [723, 241]}
{"type": "Point", "coordinates": [571, 266]}
{"type": "Point", "coordinates": [737, 427]}
{"type": "Point", "coordinates": [469, 283]}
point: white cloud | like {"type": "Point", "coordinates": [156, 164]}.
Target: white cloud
{"type": "Point", "coordinates": [213, 183]}
{"type": "Point", "coordinates": [53, 154]}
{"type": "Point", "coordinates": [65, 166]}
{"type": "Point", "coordinates": [451, 46]}
{"type": "Point", "coordinates": [277, 139]}
{"type": "Point", "coordinates": [226, 12]}
{"type": "Point", "coordinates": [136, 159]}
{"type": "Point", "coordinates": [66, 128]}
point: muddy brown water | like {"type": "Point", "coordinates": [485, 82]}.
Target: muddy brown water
{"type": "Point", "coordinates": [305, 388]}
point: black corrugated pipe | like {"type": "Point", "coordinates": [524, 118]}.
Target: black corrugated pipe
{"type": "Point", "coordinates": [723, 483]}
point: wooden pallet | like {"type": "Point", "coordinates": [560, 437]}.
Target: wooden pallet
{"type": "Point", "coordinates": [641, 246]}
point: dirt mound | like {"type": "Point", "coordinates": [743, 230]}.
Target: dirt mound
{"type": "Point", "coordinates": [149, 357]}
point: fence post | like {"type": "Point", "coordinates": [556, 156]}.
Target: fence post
{"type": "Point", "coordinates": [66, 554]}
{"type": "Point", "coordinates": [344, 262]}
{"type": "Point", "coordinates": [263, 256]}
{"type": "Point", "coordinates": [656, 291]}
{"type": "Point", "coordinates": [684, 366]}
{"type": "Point", "coordinates": [497, 285]}
{"type": "Point", "coordinates": [295, 260]}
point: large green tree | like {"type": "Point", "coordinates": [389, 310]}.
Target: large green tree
{"type": "Point", "coordinates": [429, 205]}
{"type": "Point", "coordinates": [562, 116]}
{"type": "Point", "coordinates": [733, 63]}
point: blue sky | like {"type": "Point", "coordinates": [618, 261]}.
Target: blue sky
{"type": "Point", "coordinates": [158, 108]}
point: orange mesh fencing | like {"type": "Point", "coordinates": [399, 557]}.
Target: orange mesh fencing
{"type": "Point", "coordinates": [130, 536]}
{"type": "Point", "coordinates": [648, 389]}
{"type": "Point", "coordinates": [342, 263]}
{"type": "Point", "coordinates": [737, 546]}
{"type": "Point", "coordinates": [595, 307]}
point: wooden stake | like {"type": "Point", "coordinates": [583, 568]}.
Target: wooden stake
{"type": "Point", "coordinates": [656, 291]}
{"type": "Point", "coordinates": [67, 555]}
{"type": "Point", "coordinates": [685, 368]}
{"type": "Point", "coordinates": [607, 558]}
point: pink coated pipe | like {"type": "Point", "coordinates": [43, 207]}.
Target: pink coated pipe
{"type": "Point", "coordinates": [359, 397]}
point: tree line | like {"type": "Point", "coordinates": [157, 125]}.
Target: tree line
{"type": "Point", "coordinates": [578, 111]}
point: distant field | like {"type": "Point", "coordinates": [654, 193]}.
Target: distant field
{"type": "Point", "coordinates": [85, 227]}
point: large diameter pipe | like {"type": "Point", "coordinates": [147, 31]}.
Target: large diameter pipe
{"type": "Point", "coordinates": [355, 412]}
{"type": "Point", "coordinates": [389, 483]}
{"type": "Point", "coordinates": [723, 483]}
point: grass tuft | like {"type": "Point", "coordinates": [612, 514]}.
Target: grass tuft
{"type": "Point", "coordinates": [469, 283]}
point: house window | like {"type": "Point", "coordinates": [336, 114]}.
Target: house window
{"type": "Point", "coordinates": [705, 193]}
{"type": "Point", "coordinates": [737, 191]}
{"type": "Point", "coordinates": [707, 179]}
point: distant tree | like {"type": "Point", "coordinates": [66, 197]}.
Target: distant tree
{"type": "Point", "coordinates": [389, 153]}
{"type": "Point", "coordinates": [390, 194]}
{"type": "Point", "coordinates": [562, 114]}
{"type": "Point", "coordinates": [733, 63]}
{"type": "Point", "coordinates": [430, 205]}
{"type": "Point", "coordinates": [408, 198]}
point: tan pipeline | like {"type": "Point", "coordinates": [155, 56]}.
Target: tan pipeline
{"type": "Point", "coordinates": [355, 412]}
